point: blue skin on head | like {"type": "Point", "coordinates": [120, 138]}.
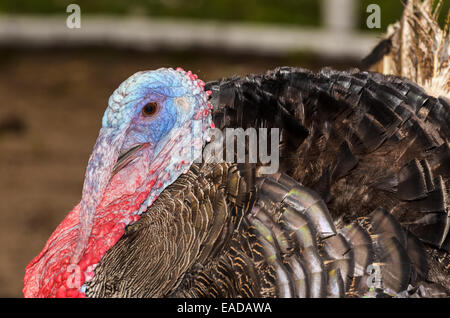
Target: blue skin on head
{"type": "Point", "coordinates": [162, 86]}
{"type": "Point", "coordinates": [151, 129]}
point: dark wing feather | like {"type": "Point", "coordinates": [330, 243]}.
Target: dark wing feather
{"type": "Point", "coordinates": [373, 141]}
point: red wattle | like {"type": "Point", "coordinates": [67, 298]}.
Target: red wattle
{"type": "Point", "coordinates": [50, 274]}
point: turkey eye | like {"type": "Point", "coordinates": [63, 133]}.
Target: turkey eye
{"type": "Point", "coordinates": [150, 109]}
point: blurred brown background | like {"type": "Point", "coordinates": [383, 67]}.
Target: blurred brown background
{"type": "Point", "coordinates": [52, 98]}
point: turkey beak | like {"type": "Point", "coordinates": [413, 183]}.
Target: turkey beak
{"type": "Point", "coordinates": [98, 174]}
{"type": "Point", "coordinates": [126, 157]}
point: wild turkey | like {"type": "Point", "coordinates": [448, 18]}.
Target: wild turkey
{"type": "Point", "coordinates": [358, 208]}
{"type": "Point", "coordinates": [365, 150]}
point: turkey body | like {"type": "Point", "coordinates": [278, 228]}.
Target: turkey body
{"type": "Point", "coordinates": [359, 206]}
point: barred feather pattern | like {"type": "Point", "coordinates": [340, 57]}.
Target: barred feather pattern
{"type": "Point", "coordinates": [364, 179]}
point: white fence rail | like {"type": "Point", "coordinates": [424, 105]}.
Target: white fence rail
{"type": "Point", "coordinates": [337, 38]}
